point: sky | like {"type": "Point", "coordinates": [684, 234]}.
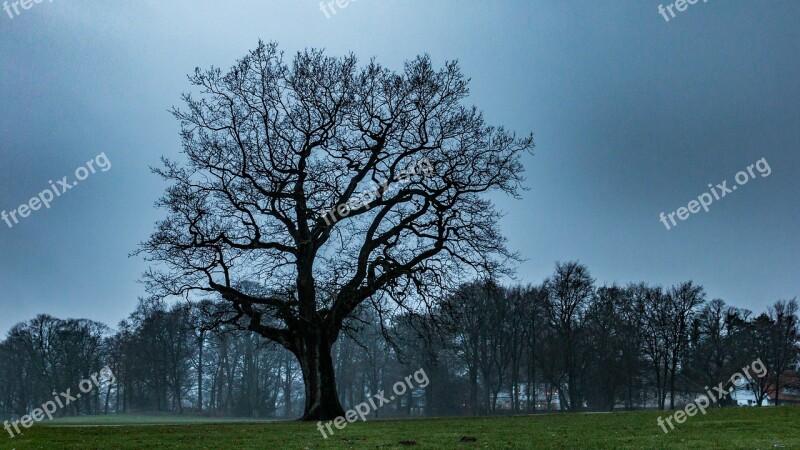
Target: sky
{"type": "Point", "coordinates": [632, 115]}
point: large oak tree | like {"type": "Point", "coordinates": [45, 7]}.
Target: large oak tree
{"type": "Point", "coordinates": [401, 164]}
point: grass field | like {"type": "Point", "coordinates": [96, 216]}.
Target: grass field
{"type": "Point", "coordinates": [743, 428]}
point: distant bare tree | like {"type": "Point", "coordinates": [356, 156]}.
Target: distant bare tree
{"type": "Point", "coordinates": [604, 341]}
{"type": "Point", "coordinates": [536, 298]}
{"type": "Point", "coordinates": [465, 308]}
{"type": "Point", "coordinates": [569, 290]}
{"type": "Point", "coordinates": [494, 355]}
{"type": "Point", "coordinates": [683, 302]}
{"type": "Point", "coordinates": [520, 302]}
{"type": "Point", "coordinates": [721, 344]}
{"type": "Point", "coordinates": [784, 339]}
{"type": "Point", "coordinates": [655, 336]}
{"type": "Point", "coordinates": [762, 346]}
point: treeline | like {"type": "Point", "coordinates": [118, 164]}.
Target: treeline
{"type": "Point", "coordinates": [600, 348]}
{"type": "Point", "coordinates": [487, 349]}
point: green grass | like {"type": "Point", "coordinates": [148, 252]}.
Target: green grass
{"type": "Point", "coordinates": [744, 428]}
{"type": "Point", "coordinates": [149, 419]}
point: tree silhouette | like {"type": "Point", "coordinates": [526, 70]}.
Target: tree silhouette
{"type": "Point", "coordinates": [328, 184]}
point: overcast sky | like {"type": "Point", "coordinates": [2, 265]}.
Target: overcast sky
{"type": "Point", "coordinates": [633, 116]}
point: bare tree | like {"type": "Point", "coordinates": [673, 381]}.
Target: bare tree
{"type": "Point", "coordinates": [605, 335]}
{"type": "Point", "coordinates": [465, 309]}
{"type": "Point", "coordinates": [276, 187]}
{"type": "Point", "coordinates": [762, 334]}
{"type": "Point", "coordinates": [520, 303]}
{"type": "Point", "coordinates": [655, 335]}
{"type": "Point", "coordinates": [683, 301]}
{"type": "Point", "coordinates": [720, 344]}
{"type": "Point", "coordinates": [536, 300]}
{"type": "Point", "coordinates": [569, 290]}
{"type": "Point", "coordinates": [784, 339]}
{"type": "Point", "coordinates": [494, 353]}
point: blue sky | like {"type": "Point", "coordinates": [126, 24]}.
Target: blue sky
{"type": "Point", "coordinates": [632, 116]}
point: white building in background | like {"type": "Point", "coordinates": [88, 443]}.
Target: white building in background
{"type": "Point", "coordinates": [789, 392]}
{"type": "Point", "coordinates": [744, 396]}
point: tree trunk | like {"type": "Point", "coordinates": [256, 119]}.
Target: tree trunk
{"type": "Point", "coordinates": [548, 395]}
{"type": "Point", "coordinates": [487, 395]}
{"type": "Point", "coordinates": [515, 395]}
{"type": "Point", "coordinates": [373, 387]}
{"type": "Point", "coordinates": [201, 345]}
{"type": "Point", "coordinates": [473, 390]}
{"type": "Point", "coordinates": [673, 370]}
{"type": "Point", "coordinates": [313, 351]}
{"type": "Point", "coordinates": [108, 398]}
{"type": "Point", "coordinates": [287, 390]}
